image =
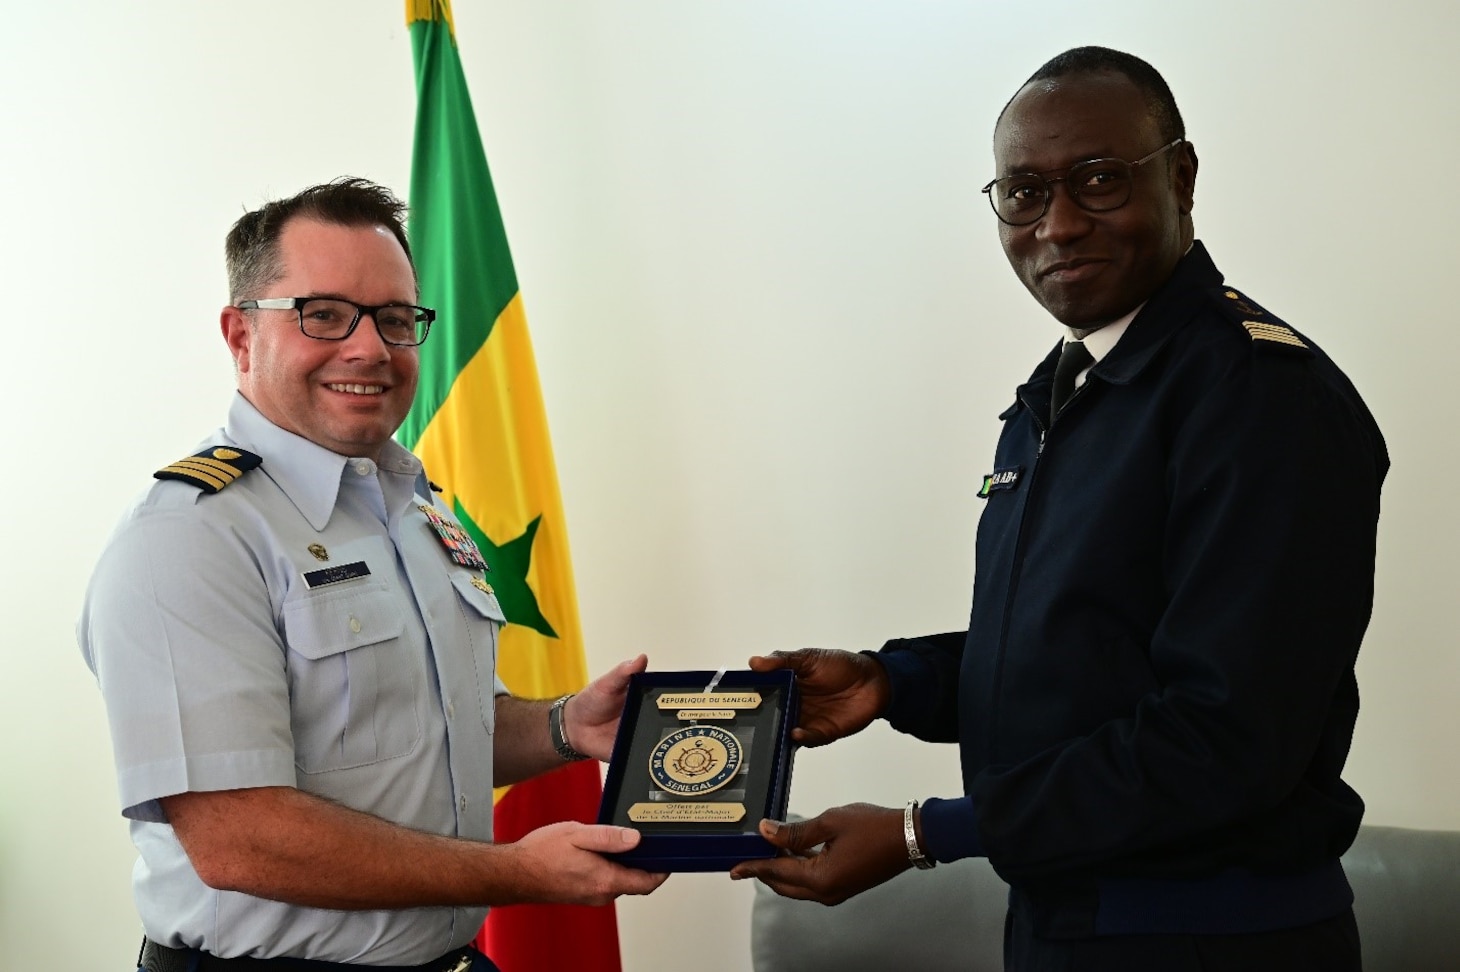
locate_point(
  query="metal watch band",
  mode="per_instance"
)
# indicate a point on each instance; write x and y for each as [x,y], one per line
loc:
[556,734]
[915,853]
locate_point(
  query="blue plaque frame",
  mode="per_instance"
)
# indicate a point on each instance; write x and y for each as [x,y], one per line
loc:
[675,846]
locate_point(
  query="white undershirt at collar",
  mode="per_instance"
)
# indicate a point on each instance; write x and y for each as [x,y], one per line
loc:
[1101,342]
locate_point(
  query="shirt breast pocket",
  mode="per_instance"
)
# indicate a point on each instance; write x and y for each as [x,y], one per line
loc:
[484,620]
[354,696]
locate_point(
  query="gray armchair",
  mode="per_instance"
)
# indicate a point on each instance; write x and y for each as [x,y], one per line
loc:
[1406,888]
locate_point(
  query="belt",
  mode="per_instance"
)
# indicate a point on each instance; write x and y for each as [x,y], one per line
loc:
[160,958]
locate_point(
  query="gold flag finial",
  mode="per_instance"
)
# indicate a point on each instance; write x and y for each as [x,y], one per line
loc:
[430,10]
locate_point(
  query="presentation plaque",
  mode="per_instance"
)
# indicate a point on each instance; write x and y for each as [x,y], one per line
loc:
[697,763]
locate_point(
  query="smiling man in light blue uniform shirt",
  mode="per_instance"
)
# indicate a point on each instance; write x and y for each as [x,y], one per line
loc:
[297,653]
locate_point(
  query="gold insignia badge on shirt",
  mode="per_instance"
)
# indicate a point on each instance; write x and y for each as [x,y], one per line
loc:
[317,549]
[480,583]
[211,469]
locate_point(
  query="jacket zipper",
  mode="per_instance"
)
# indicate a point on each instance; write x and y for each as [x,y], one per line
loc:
[1013,590]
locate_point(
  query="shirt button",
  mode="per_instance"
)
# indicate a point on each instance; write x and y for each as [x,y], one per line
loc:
[450,711]
[463,803]
[355,624]
[363,468]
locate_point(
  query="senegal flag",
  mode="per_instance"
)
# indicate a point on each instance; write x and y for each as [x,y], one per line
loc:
[478,425]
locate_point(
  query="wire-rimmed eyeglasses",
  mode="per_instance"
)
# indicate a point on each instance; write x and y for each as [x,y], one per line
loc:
[1096,185]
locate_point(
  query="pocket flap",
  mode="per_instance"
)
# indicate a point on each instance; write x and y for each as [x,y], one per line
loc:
[335,621]
[483,603]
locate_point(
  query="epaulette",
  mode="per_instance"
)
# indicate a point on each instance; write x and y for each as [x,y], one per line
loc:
[1262,327]
[211,469]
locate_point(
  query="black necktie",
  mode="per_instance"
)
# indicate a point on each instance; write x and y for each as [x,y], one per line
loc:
[1074,359]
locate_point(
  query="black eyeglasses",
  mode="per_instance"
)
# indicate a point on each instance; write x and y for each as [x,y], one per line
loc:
[1097,185]
[332,319]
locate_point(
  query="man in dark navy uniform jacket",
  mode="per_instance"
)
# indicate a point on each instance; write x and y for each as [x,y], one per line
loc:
[1155,695]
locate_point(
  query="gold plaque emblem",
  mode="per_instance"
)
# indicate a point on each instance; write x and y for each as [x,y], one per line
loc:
[695,760]
[319,552]
[480,583]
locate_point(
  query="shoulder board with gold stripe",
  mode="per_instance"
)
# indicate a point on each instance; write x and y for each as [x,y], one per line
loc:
[1264,329]
[211,469]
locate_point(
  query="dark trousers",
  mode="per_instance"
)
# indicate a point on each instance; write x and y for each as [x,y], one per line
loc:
[1331,945]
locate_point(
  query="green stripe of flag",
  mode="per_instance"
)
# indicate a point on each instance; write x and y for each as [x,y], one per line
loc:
[456,231]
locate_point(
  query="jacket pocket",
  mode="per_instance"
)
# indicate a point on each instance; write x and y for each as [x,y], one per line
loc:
[483,623]
[354,692]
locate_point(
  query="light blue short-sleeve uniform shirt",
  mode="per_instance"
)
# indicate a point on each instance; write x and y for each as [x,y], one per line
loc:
[223,666]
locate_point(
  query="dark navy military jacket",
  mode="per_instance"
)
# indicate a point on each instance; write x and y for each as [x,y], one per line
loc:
[1173,579]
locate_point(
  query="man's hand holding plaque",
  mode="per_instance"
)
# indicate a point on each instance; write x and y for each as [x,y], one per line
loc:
[845,850]
[841,692]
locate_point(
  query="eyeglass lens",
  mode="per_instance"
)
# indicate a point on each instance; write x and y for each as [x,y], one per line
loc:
[1098,185]
[331,320]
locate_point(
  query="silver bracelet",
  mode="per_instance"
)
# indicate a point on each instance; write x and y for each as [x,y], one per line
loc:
[557,735]
[915,853]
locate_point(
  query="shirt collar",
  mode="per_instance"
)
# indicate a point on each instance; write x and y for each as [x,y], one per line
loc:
[1102,341]
[308,473]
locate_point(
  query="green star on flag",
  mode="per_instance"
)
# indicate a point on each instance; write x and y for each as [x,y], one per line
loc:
[510,563]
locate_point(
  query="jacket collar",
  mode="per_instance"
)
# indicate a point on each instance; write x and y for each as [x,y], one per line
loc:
[1166,312]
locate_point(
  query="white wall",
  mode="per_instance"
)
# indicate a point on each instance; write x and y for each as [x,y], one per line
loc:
[772,318]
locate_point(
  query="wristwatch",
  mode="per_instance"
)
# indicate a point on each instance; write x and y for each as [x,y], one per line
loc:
[915,853]
[556,734]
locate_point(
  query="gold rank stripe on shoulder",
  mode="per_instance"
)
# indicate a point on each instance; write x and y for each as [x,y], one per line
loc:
[211,469]
[1260,325]
[1278,333]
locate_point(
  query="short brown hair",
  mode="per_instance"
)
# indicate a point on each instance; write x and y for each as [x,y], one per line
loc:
[251,250]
